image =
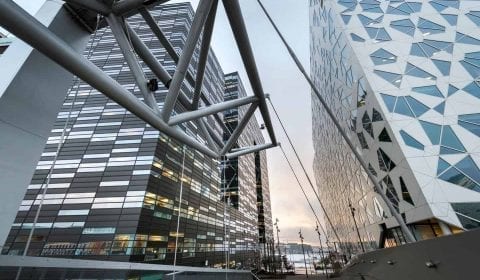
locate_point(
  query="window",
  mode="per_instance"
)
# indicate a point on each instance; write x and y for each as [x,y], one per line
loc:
[393,78]
[404,25]
[383,136]
[73,212]
[382,56]
[100,230]
[410,141]
[428,90]
[385,163]
[432,130]
[405,194]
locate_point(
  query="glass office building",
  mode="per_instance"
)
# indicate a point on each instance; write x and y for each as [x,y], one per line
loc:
[114,193]
[246,177]
[402,77]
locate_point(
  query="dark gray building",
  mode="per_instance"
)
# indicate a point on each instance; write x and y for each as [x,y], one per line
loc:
[114,190]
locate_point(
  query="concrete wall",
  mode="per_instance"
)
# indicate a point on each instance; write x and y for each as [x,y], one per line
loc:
[32,90]
[454,257]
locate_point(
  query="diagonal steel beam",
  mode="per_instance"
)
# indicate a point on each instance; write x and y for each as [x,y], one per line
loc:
[249,150]
[173,54]
[137,71]
[127,6]
[239,129]
[212,109]
[204,49]
[208,136]
[27,28]
[92,5]
[201,15]
[237,23]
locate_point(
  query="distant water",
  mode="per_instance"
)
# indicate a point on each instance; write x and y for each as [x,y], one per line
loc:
[299,262]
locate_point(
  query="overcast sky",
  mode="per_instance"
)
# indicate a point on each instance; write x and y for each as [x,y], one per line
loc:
[288,90]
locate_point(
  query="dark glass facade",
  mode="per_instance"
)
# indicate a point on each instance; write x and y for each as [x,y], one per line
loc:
[115,190]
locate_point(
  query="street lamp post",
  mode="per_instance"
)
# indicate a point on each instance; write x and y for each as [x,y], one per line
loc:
[303,251]
[278,246]
[352,210]
[321,251]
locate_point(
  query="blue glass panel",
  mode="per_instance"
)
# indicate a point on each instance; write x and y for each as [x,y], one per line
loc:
[410,141]
[383,35]
[473,88]
[451,90]
[418,51]
[429,27]
[393,78]
[348,3]
[473,55]
[469,168]
[442,166]
[465,39]
[441,5]
[450,139]
[447,151]
[454,176]
[382,56]
[413,70]
[433,131]
[346,18]
[473,128]
[389,101]
[472,118]
[403,22]
[440,45]
[469,209]
[357,38]
[367,21]
[440,108]
[418,107]
[428,90]
[474,16]
[471,69]
[452,19]
[372,8]
[403,108]
[443,66]
[407,30]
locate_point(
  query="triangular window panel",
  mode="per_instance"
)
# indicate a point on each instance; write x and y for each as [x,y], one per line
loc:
[428,90]
[385,163]
[456,177]
[371,7]
[433,131]
[450,139]
[368,21]
[415,71]
[346,18]
[404,8]
[393,78]
[410,141]
[418,108]
[429,27]
[468,167]
[442,166]
[383,136]
[382,56]
[379,34]
[452,19]
[440,108]
[441,5]
[356,38]
[389,101]
[472,63]
[473,89]
[391,192]
[443,66]
[376,116]
[474,16]
[402,107]
[470,122]
[405,193]
[465,39]
[451,90]
[404,25]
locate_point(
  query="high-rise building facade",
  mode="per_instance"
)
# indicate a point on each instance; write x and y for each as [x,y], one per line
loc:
[246,177]
[402,77]
[114,189]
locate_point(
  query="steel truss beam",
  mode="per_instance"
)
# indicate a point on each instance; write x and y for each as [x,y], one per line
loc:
[27,28]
